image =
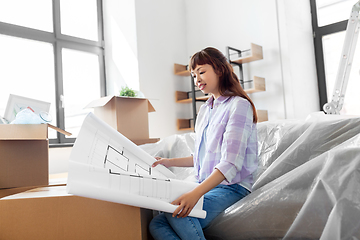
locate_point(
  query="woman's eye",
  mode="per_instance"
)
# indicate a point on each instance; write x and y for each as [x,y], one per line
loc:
[202,72]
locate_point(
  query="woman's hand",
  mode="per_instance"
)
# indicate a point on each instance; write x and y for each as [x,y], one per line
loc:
[186,203]
[163,161]
[188,200]
[174,162]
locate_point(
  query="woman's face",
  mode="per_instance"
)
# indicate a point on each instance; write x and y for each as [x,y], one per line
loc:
[206,79]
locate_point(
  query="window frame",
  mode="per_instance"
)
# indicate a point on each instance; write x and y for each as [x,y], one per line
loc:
[318,34]
[60,41]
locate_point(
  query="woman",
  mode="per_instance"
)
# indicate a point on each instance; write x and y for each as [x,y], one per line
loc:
[225,155]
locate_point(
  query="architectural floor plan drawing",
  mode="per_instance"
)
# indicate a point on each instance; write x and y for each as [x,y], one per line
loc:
[116,159]
[142,185]
[105,165]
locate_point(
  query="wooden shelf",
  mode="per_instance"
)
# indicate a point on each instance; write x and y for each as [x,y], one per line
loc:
[256,54]
[182,97]
[181,70]
[262,115]
[202,98]
[258,85]
[184,125]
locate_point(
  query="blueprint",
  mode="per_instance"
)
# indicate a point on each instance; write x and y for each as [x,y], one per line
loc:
[105,165]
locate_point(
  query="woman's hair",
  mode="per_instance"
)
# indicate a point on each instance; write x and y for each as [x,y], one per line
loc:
[229,84]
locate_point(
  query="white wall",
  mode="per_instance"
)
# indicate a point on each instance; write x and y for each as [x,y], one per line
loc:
[171,31]
[298,58]
[59,160]
[161,34]
[282,28]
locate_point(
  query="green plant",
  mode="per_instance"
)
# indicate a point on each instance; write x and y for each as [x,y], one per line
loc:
[128,92]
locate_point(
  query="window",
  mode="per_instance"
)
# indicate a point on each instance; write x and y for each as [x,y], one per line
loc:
[81,84]
[333,11]
[85,26]
[11,12]
[53,51]
[329,19]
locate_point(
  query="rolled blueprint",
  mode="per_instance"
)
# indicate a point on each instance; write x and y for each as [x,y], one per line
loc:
[107,166]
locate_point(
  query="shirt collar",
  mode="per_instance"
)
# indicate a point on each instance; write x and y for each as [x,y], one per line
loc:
[218,101]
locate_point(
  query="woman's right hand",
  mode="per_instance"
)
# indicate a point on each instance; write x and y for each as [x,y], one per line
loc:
[162,161]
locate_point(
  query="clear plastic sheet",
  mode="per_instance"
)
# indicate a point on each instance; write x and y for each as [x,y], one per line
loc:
[307,185]
[178,145]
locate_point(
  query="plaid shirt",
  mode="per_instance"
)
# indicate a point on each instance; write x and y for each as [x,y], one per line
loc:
[231,145]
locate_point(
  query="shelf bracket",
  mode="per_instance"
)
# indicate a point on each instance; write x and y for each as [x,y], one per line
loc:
[238,52]
[193,99]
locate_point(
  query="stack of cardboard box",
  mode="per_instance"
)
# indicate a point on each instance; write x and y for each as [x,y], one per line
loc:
[24,148]
[31,208]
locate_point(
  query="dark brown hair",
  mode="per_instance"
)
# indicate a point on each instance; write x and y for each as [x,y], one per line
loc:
[229,84]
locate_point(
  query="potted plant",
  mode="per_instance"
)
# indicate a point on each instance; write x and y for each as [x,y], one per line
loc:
[127,92]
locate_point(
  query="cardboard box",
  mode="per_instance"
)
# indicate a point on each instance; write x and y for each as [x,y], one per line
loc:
[4,192]
[128,115]
[51,213]
[54,180]
[24,155]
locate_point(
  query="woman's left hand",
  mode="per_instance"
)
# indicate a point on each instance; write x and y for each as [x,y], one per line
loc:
[186,203]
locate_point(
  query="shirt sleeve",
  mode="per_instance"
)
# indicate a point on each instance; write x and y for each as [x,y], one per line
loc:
[235,138]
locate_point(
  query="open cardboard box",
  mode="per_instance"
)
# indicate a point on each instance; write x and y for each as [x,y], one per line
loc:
[51,213]
[58,179]
[128,115]
[24,155]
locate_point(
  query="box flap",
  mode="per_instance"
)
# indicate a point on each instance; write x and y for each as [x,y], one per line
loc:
[23,131]
[151,108]
[100,102]
[59,130]
[27,131]
[105,100]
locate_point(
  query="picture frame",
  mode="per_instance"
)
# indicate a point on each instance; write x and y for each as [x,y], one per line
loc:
[17,103]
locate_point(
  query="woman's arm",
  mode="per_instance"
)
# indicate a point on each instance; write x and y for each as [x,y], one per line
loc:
[188,200]
[174,162]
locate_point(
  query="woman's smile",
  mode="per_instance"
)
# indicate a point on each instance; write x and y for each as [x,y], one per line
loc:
[201,86]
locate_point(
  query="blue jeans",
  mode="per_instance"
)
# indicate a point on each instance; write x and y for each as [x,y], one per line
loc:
[164,226]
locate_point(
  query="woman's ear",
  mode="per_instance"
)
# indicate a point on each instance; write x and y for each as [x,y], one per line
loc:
[219,71]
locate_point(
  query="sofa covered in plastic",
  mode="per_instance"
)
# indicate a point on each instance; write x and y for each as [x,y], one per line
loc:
[307,185]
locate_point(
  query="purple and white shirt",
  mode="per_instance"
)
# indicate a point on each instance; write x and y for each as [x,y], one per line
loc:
[231,141]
